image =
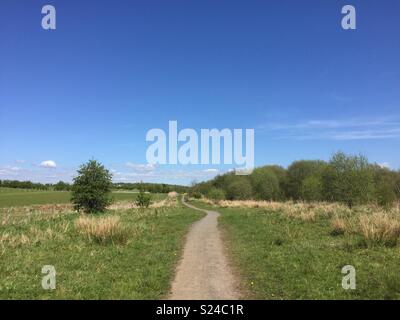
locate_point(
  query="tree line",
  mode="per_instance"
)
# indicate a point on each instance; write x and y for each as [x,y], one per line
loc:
[349,179]
[64,186]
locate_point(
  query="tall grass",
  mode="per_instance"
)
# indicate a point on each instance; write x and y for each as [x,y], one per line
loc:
[375,225]
[103,230]
[380,228]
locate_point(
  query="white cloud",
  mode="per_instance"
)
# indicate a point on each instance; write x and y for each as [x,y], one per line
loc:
[48,164]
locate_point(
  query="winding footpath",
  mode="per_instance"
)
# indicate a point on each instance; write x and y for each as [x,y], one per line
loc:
[203,272]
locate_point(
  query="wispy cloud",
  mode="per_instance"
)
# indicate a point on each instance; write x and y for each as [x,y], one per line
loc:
[335,129]
[141,167]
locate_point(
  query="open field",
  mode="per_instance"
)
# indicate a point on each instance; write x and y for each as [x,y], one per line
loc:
[122,254]
[10,197]
[284,251]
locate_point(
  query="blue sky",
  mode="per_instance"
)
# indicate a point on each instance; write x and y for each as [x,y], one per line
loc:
[112,70]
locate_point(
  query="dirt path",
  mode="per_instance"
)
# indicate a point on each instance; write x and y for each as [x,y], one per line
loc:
[203,272]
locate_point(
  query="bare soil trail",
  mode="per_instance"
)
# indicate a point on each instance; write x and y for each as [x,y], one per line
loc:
[203,272]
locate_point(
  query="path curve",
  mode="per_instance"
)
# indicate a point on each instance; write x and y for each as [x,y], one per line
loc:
[203,272]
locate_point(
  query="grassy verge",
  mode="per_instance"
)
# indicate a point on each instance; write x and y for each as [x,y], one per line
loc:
[123,254]
[299,255]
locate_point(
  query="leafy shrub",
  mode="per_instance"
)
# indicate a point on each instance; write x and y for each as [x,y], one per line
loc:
[385,186]
[216,194]
[297,172]
[312,188]
[265,184]
[196,195]
[143,199]
[239,189]
[348,179]
[91,189]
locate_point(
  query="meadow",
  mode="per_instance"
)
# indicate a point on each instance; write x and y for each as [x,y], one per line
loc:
[297,250]
[124,253]
[10,197]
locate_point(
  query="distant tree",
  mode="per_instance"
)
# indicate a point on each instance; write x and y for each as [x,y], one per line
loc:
[239,189]
[196,195]
[281,174]
[265,184]
[386,184]
[61,186]
[91,190]
[312,188]
[348,179]
[216,194]
[297,172]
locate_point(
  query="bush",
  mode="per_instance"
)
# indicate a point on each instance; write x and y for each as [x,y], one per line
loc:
[239,189]
[92,188]
[265,184]
[143,199]
[312,188]
[281,174]
[348,179]
[385,186]
[298,171]
[196,195]
[216,194]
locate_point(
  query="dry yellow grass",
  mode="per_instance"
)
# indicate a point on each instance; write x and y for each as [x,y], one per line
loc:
[102,230]
[33,236]
[339,225]
[126,205]
[375,225]
[380,227]
[28,214]
[300,210]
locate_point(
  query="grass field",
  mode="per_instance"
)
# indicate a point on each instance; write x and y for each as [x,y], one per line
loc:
[281,257]
[10,197]
[136,260]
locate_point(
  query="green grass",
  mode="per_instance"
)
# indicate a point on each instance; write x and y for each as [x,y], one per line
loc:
[285,258]
[142,268]
[10,197]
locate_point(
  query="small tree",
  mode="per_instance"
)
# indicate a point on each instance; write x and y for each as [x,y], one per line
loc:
[92,188]
[348,179]
[265,184]
[143,199]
